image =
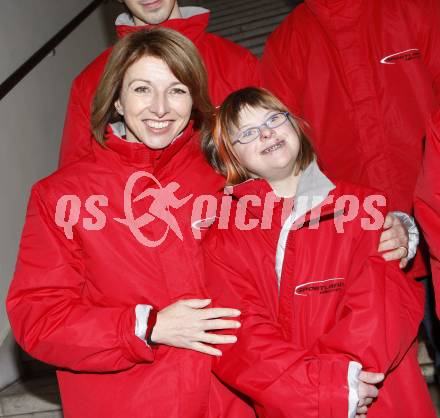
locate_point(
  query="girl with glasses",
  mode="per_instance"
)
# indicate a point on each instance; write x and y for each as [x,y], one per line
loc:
[298,256]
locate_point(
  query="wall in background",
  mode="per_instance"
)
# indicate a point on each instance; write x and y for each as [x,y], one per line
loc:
[27,24]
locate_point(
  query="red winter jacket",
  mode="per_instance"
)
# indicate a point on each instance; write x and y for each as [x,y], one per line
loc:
[229,67]
[427,199]
[72,301]
[365,74]
[338,301]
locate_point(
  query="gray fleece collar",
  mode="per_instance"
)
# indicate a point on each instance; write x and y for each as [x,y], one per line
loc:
[118,129]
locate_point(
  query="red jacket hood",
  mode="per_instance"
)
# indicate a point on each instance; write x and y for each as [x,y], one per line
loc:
[193,25]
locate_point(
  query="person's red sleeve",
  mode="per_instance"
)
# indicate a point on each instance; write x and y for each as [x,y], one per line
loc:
[427,200]
[48,316]
[375,325]
[77,136]
[427,27]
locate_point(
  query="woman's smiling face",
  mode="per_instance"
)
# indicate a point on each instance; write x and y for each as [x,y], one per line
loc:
[273,154]
[155,105]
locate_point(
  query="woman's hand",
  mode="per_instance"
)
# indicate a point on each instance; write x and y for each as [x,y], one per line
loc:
[184,324]
[394,240]
[367,391]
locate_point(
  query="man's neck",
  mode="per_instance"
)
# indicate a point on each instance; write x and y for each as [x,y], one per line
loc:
[175,14]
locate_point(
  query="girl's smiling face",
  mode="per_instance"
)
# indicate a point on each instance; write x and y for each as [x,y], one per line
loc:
[273,154]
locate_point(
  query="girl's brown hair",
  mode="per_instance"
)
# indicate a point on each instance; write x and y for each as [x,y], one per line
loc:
[178,52]
[217,144]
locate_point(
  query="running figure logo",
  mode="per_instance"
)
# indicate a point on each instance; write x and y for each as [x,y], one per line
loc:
[163,199]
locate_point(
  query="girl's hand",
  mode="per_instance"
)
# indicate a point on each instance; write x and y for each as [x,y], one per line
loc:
[367,391]
[184,324]
[394,240]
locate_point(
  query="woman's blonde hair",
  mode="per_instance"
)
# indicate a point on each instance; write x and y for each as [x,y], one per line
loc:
[217,144]
[182,58]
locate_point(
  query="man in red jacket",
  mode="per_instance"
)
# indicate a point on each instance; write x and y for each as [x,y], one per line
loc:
[365,74]
[229,66]
[427,199]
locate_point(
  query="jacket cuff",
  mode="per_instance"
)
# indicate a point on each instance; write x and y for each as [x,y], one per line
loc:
[146,317]
[334,389]
[152,318]
[354,368]
[142,313]
[133,328]
[413,232]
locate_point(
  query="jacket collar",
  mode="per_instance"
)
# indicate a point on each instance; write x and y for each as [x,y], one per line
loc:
[313,189]
[138,154]
[328,10]
[193,23]
[255,187]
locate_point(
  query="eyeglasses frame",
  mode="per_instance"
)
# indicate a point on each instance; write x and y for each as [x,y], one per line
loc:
[286,114]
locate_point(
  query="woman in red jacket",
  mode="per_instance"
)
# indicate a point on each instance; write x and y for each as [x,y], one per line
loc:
[318,301]
[108,244]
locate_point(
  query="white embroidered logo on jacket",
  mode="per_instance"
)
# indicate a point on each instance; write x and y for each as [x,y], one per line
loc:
[407,55]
